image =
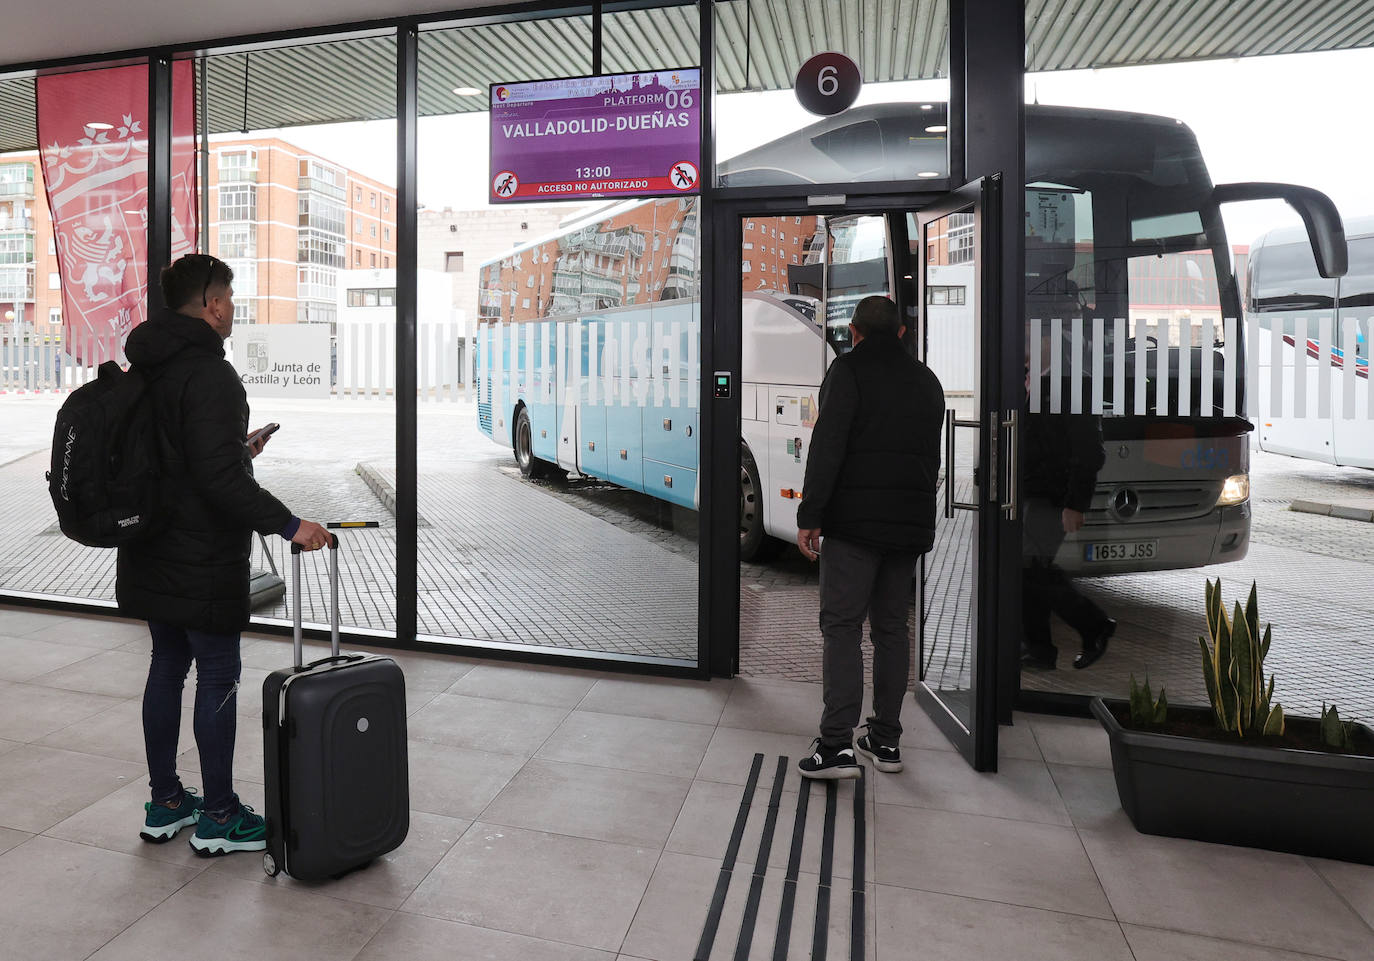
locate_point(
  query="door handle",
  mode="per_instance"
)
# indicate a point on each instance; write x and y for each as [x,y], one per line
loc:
[950,424]
[1013,467]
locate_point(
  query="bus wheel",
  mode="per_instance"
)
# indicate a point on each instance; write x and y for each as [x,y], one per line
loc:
[754,542]
[530,466]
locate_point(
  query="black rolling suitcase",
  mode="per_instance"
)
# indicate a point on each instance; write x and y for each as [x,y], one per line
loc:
[334,749]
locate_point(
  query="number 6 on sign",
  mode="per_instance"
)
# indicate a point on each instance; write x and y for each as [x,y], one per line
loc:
[828,83]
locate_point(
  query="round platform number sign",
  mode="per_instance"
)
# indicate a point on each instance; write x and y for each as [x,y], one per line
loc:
[828,83]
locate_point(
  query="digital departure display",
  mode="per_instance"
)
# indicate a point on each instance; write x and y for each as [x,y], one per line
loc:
[614,135]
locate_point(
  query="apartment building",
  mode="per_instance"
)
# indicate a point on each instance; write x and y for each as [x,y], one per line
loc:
[458,242]
[30,288]
[288,222]
[285,220]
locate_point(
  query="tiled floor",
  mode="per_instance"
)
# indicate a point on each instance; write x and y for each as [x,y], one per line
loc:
[573,816]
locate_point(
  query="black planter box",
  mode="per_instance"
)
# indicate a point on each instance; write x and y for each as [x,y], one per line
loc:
[1304,802]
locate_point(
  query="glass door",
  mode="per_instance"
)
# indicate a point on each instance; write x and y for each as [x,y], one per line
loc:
[952,247]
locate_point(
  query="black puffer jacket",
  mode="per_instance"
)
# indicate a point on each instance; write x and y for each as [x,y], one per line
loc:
[872,471]
[195,573]
[1062,455]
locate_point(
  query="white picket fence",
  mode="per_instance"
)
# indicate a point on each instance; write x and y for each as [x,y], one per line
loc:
[362,363]
[1175,373]
[1188,367]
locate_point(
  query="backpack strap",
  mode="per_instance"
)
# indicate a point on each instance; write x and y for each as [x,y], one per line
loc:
[150,376]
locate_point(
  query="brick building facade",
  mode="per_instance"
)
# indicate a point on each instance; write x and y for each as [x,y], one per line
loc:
[285,220]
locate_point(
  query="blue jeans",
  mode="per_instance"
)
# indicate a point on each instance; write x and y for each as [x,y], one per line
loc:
[217,684]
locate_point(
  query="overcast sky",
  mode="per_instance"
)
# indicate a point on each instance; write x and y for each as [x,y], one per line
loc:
[1296,119]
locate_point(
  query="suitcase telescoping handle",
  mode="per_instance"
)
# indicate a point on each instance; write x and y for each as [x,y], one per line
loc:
[333,599]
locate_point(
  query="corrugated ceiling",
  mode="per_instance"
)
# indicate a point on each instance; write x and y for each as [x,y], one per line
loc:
[891,39]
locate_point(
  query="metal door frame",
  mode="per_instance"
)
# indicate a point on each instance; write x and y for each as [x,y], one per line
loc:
[996,475]
[722,339]
[720,575]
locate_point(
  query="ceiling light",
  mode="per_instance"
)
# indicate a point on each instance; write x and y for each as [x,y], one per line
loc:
[937,128]
[467,91]
[927,106]
[928,173]
[98,125]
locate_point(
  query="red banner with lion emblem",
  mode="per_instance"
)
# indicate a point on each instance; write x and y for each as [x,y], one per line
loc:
[93,135]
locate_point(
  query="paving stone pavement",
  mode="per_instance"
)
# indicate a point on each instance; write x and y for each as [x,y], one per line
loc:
[585,565]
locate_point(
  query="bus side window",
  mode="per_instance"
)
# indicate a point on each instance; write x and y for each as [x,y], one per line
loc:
[1357,286]
[1284,277]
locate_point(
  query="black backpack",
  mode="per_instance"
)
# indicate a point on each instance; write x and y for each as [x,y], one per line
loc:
[104,479]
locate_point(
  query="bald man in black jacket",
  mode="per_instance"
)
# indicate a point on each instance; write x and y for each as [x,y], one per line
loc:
[871,478]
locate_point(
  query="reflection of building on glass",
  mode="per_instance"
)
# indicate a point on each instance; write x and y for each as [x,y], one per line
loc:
[771,247]
[1179,286]
[638,252]
[951,240]
[597,268]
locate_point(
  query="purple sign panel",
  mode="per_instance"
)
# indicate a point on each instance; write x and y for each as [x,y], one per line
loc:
[617,135]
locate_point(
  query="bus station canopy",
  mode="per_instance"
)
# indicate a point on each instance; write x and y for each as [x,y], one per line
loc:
[326,82]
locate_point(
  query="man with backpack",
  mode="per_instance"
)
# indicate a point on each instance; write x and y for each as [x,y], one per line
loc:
[189,576]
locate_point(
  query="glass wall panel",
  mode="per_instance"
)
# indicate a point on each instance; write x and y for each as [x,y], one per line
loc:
[895,129]
[73,282]
[1194,386]
[559,371]
[300,195]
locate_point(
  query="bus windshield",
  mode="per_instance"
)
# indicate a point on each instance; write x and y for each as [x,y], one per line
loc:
[1071,274]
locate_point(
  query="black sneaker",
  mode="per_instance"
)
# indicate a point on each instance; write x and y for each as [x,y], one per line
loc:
[887,759]
[830,763]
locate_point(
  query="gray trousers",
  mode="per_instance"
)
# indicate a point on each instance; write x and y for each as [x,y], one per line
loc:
[859,583]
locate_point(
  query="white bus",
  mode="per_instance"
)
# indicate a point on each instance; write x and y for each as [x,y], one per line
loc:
[586,343]
[1311,393]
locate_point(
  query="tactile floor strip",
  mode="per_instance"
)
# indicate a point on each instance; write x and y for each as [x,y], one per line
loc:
[766,924]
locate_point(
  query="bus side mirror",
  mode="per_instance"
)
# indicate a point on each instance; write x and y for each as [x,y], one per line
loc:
[1319,215]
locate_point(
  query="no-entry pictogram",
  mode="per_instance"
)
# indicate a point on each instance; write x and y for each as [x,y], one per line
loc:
[684,175]
[505,184]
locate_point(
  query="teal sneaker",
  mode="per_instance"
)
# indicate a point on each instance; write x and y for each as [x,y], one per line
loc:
[161,823]
[244,831]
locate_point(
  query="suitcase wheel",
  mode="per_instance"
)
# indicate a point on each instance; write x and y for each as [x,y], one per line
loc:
[269,865]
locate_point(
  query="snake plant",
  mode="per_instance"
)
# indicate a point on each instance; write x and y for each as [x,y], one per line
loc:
[1335,732]
[1145,710]
[1233,667]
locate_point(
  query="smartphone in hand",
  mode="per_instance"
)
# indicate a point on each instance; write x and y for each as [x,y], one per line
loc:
[261,433]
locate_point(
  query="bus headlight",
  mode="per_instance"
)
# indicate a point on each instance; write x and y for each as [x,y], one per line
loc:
[1236,490]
